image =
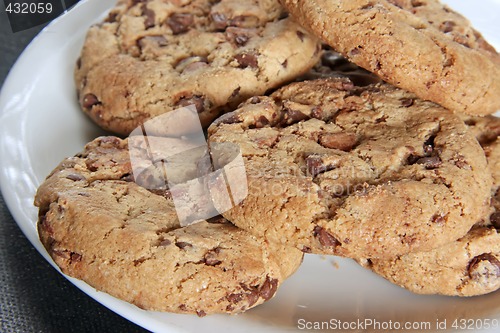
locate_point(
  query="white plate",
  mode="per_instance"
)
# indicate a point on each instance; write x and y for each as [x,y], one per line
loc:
[40,124]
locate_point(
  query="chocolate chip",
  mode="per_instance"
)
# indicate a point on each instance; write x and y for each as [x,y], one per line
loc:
[180,22]
[473,268]
[62,254]
[191,64]
[212,262]
[111,18]
[201,313]
[135,2]
[210,259]
[183,245]
[91,166]
[495,220]
[252,297]
[149,21]
[75,257]
[165,242]
[407,102]
[89,100]
[447,26]
[219,20]
[301,35]
[156,40]
[261,122]
[139,261]
[438,218]
[355,51]
[342,141]
[317,113]
[238,36]
[470,122]
[316,166]
[247,60]
[109,141]
[325,238]
[75,177]
[70,164]
[196,100]
[432,162]
[254,100]
[348,86]
[228,118]
[269,288]
[79,63]
[461,162]
[234,298]
[291,117]
[306,249]
[431,159]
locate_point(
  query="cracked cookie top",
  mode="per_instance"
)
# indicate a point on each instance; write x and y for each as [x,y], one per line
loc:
[99,226]
[368,171]
[420,45]
[469,266]
[149,57]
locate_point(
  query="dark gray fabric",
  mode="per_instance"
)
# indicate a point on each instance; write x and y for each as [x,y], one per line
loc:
[33,296]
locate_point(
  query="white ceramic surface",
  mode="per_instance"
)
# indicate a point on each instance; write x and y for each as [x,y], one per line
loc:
[40,124]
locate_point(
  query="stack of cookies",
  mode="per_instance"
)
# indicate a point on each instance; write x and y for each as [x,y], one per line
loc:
[365,129]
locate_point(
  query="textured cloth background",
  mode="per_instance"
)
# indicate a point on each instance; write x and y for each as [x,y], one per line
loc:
[33,296]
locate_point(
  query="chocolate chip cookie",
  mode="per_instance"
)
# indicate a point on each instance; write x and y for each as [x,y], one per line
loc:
[469,266]
[334,168]
[150,57]
[99,226]
[422,46]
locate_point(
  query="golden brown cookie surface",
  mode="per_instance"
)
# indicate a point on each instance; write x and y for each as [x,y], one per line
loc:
[339,169]
[422,46]
[150,57]
[101,227]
